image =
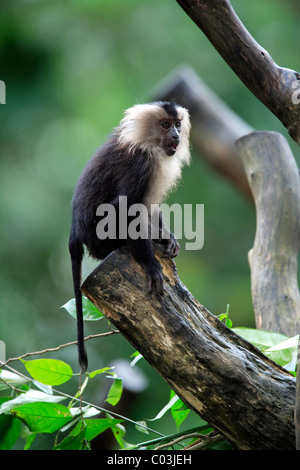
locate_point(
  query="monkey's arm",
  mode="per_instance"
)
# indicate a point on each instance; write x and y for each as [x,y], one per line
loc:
[164,235]
[173,246]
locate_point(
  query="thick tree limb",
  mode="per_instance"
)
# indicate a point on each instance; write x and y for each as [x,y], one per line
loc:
[274,178]
[215,127]
[222,377]
[274,86]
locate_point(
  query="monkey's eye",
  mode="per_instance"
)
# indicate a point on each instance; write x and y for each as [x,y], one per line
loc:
[178,124]
[166,124]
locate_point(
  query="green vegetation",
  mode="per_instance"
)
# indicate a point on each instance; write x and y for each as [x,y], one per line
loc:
[70,69]
[34,407]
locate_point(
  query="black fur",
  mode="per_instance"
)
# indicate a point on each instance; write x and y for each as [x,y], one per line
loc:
[112,172]
[171,109]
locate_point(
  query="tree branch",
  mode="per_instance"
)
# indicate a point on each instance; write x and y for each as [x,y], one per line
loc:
[274,86]
[219,375]
[274,178]
[57,348]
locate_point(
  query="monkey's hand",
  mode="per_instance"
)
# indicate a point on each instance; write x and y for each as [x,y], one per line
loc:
[172,246]
[155,278]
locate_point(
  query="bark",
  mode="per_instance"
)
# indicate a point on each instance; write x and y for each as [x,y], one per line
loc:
[276,87]
[219,375]
[274,178]
[215,127]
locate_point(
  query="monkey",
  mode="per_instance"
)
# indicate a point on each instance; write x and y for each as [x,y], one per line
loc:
[142,160]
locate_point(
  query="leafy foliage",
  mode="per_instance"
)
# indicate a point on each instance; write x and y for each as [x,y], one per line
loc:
[34,408]
[49,371]
[280,348]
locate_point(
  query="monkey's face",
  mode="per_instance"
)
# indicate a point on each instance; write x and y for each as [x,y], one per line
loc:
[170,135]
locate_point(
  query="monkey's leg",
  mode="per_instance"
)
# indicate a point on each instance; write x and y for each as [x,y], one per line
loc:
[142,250]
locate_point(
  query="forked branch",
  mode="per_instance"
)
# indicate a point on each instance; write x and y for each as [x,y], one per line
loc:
[276,87]
[219,375]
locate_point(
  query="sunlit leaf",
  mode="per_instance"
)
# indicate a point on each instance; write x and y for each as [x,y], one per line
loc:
[137,357]
[278,347]
[115,392]
[99,371]
[225,317]
[90,312]
[167,407]
[49,371]
[285,353]
[262,339]
[179,412]
[43,417]
[31,396]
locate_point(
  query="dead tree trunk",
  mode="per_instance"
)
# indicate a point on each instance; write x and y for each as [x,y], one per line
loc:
[274,178]
[219,375]
[276,87]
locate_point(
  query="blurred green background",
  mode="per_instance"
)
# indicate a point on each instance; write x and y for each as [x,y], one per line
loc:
[71,68]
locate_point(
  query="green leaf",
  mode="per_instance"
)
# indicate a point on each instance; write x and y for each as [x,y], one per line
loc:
[225,316]
[43,417]
[179,412]
[262,339]
[167,407]
[285,353]
[99,371]
[137,357]
[96,426]
[76,440]
[49,371]
[278,347]
[31,396]
[119,433]
[90,312]
[29,437]
[115,392]
[9,429]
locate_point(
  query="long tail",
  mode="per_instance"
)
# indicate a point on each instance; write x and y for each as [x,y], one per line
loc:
[76,253]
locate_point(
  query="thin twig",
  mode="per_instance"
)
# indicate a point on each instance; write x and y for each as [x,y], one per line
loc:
[176,441]
[203,443]
[99,335]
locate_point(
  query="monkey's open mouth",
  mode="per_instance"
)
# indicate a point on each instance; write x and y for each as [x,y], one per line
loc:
[171,149]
